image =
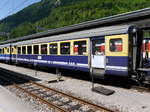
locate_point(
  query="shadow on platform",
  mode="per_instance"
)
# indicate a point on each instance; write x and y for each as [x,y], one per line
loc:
[8,75]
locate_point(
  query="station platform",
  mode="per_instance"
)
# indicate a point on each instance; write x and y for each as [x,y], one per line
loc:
[10,103]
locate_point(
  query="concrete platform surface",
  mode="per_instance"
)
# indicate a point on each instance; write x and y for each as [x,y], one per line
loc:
[10,103]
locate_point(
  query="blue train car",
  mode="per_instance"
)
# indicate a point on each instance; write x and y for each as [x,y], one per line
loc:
[5,52]
[101,51]
[114,51]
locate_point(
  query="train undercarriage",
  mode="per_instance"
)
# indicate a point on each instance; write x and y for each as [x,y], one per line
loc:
[142,77]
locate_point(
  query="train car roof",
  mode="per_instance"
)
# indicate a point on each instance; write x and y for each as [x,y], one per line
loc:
[106,21]
[79,35]
[5,45]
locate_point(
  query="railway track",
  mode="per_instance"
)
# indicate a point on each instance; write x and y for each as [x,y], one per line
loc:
[57,100]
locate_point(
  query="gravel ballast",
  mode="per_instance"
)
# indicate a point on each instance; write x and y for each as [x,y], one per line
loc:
[36,105]
[124,100]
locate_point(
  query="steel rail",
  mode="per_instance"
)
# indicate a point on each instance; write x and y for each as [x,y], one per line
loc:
[92,105]
[74,98]
[51,105]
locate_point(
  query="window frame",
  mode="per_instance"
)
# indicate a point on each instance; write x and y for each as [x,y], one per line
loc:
[69,47]
[56,48]
[94,47]
[20,49]
[25,53]
[31,49]
[86,48]
[38,49]
[125,45]
[46,49]
[115,45]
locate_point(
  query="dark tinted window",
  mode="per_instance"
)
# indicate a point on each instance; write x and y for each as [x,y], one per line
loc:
[1,51]
[65,48]
[19,50]
[29,49]
[53,48]
[36,49]
[24,50]
[44,49]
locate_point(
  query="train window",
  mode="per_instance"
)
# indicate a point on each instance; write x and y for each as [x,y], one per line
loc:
[12,50]
[44,49]
[29,49]
[1,52]
[80,48]
[65,48]
[19,50]
[115,45]
[36,49]
[7,50]
[24,50]
[53,48]
[98,47]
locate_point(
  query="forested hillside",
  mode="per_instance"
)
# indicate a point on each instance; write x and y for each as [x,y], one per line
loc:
[49,14]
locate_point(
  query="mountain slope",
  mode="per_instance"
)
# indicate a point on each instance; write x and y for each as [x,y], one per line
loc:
[58,13]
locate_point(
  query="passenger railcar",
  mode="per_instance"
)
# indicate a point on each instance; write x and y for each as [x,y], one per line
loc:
[5,52]
[114,50]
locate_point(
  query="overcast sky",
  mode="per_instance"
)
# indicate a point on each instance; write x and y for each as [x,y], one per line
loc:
[9,7]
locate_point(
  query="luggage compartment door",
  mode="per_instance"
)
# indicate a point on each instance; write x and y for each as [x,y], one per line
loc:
[98,53]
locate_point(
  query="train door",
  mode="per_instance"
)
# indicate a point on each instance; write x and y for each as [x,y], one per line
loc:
[117,55]
[10,52]
[16,54]
[98,56]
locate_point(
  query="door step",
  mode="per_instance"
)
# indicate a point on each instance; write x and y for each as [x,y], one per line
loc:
[103,90]
[97,72]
